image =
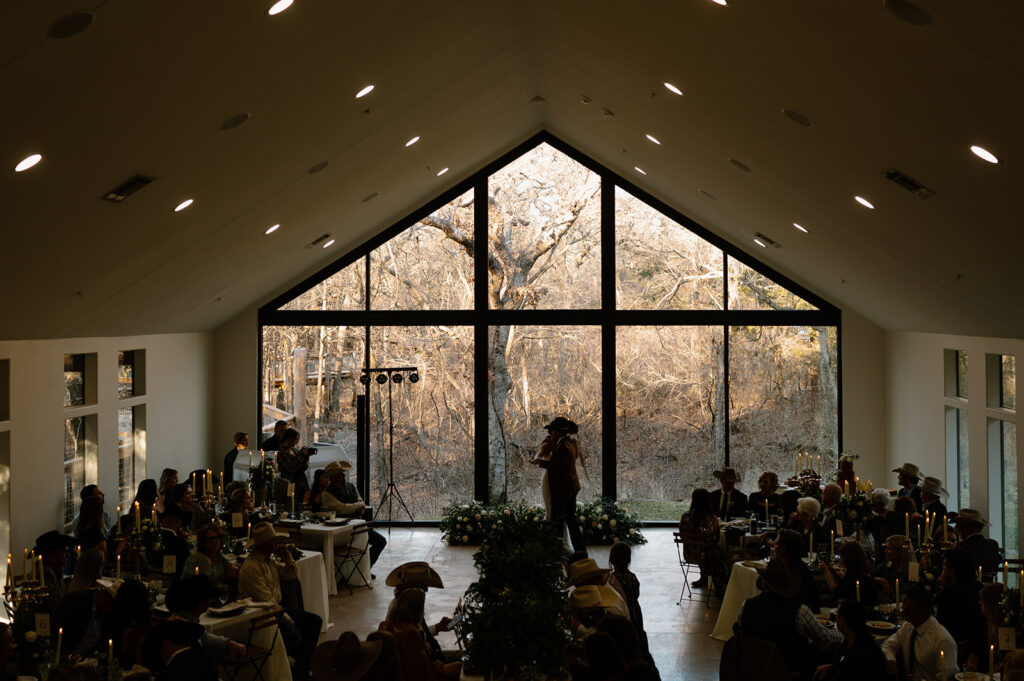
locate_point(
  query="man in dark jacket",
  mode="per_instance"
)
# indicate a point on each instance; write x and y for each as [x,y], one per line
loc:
[558,455]
[984,552]
[728,502]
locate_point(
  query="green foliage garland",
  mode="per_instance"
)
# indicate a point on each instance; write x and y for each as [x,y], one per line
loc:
[515,616]
[602,522]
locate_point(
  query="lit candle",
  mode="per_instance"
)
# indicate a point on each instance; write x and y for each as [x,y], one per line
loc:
[118,521]
[945,530]
[138,517]
[858,590]
[897,590]
[78,551]
[110,653]
[979,573]
[250,458]
[10,580]
[991,659]
[766,510]
[220,489]
[262,458]
[832,543]
[195,490]
[208,481]
[197,570]
[846,489]
[153,516]
[942,663]
[24,567]
[1006,575]
[919,536]
[119,566]
[60,640]
[906,517]
[42,581]
[291,495]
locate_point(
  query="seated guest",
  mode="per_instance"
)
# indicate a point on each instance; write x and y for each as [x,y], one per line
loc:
[187,600]
[896,520]
[908,479]
[174,652]
[586,572]
[343,498]
[174,545]
[88,569]
[589,604]
[728,502]
[767,491]
[619,558]
[879,509]
[314,497]
[238,513]
[956,606]
[896,563]
[984,552]
[260,578]
[603,660]
[241,441]
[932,494]
[706,554]
[349,659]
[790,548]
[986,632]
[627,639]
[403,623]
[830,497]
[168,480]
[131,621]
[860,658]
[913,651]
[858,574]
[208,560]
[92,491]
[90,530]
[419,575]
[788,501]
[53,546]
[805,521]
[777,616]
[7,645]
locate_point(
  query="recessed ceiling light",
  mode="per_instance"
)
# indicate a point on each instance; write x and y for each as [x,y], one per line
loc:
[28,162]
[760,243]
[985,154]
[864,202]
[723,3]
[653,139]
[329,244]
[183,205]
[672,88]
[708,194]
[740,164]
[413,141]
[271,229]
[442,171]
[800,227]
[797,118]
[365,91]
[279,6]
[639,170]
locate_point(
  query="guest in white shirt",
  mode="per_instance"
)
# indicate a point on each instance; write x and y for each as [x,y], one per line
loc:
[922,647]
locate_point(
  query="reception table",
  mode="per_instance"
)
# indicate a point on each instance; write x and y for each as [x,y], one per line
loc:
[742,585]
[236,628]
[313,578]
[327,537]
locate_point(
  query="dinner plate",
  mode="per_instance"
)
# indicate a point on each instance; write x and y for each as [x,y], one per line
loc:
[971,676]
[880,625]
[229,610]
[828,624]
[885,607]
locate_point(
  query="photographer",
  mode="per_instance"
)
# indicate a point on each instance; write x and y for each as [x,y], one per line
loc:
[293,462]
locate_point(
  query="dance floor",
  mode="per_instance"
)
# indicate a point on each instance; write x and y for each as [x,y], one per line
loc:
[680,635]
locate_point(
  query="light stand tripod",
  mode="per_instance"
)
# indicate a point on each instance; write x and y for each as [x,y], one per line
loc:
[390,375]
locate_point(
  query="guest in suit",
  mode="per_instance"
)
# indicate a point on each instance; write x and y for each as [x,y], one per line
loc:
[909,479]
[932,494]
[957,606]
[790,549]
[880,509]
[273,443]
[830,497]
[915,647]
[767,490]
[984,552]
[560,452]
[241,442]
[728,502]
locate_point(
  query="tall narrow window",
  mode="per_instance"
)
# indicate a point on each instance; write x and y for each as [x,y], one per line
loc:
[125,455]
[77,446]
[74,380]
[958,460]
[1004,485]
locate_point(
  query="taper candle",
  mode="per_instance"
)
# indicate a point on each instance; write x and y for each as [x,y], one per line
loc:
[10,579]
[42,581]
[119,566]
[991,659]
[832,543]
[766,510]
[897,591]
[138,517]
[60,640]
[1006,575]
[810,543]
[858,590]
[945,529]
[979,573]
[906,517]
[110,653]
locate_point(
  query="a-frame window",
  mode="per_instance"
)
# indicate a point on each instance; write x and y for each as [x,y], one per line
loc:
[546,285]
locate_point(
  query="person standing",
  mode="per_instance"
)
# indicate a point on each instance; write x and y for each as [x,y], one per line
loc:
[241,442]
[273,443]
[563,481]
[292,463]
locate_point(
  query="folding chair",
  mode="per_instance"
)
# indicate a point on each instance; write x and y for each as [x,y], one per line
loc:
[682,540]
[256,656]
[351,555]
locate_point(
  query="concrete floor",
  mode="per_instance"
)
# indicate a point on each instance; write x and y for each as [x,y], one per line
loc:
[679,635]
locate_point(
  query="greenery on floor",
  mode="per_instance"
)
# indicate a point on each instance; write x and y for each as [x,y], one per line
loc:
[602,521]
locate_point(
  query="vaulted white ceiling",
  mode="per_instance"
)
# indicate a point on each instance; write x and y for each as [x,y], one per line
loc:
[147,86]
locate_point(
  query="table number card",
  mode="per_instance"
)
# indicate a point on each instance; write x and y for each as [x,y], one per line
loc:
[291,489]
[914,572]
[42,624]
[236,520]
[839,528]
[170,565]
[1007,638]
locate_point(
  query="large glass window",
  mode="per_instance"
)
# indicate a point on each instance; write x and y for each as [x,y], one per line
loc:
[76,446]
[958,457]
[670,423]
[125,455]
[74,380]
[1006,434]
[662,391]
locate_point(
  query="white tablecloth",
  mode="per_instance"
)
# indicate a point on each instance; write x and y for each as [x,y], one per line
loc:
[313,578]
[742,585]
[328,537]
[237,629]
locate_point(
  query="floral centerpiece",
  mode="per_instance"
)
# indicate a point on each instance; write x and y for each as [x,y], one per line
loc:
[261,481]
[852,511]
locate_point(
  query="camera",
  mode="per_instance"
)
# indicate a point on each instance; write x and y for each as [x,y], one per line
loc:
[311,451]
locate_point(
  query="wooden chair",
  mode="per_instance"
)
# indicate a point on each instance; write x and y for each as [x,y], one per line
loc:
[745,658]
[256,656]
[683,539]
[351,555]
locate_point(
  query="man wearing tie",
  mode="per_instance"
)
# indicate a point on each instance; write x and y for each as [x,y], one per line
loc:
[728,502]
[922,647]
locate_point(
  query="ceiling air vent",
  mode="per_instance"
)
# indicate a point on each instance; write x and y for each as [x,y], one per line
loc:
[319,240]
[908,183]
[127,188]
[767,240]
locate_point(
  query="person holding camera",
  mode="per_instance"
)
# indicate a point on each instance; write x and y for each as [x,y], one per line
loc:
[292,462]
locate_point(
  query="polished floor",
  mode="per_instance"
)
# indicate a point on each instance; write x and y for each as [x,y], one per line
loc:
[679,635]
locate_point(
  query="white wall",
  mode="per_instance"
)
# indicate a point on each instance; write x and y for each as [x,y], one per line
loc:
[916,408]
[235,382]
[177,400]
[864,398]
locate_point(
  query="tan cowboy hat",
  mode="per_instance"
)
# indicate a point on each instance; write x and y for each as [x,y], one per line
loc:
[416,574]
[585,570]
[727,474]
[780,580]
[264,532]
[587,597]
[933,486]
[346,659]
[910,469]
[336,468]
[969,515]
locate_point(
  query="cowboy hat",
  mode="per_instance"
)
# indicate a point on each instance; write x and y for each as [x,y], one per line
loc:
[52,541]
[265,532]
[781,580]
[909,469]
[562,423]
[416,574]
[337,468]
[584,570]
[346,659]
[594,596]
[933,486]
[969,515]
[727,474]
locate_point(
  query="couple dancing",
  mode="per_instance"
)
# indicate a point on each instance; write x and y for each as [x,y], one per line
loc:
[561,484]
